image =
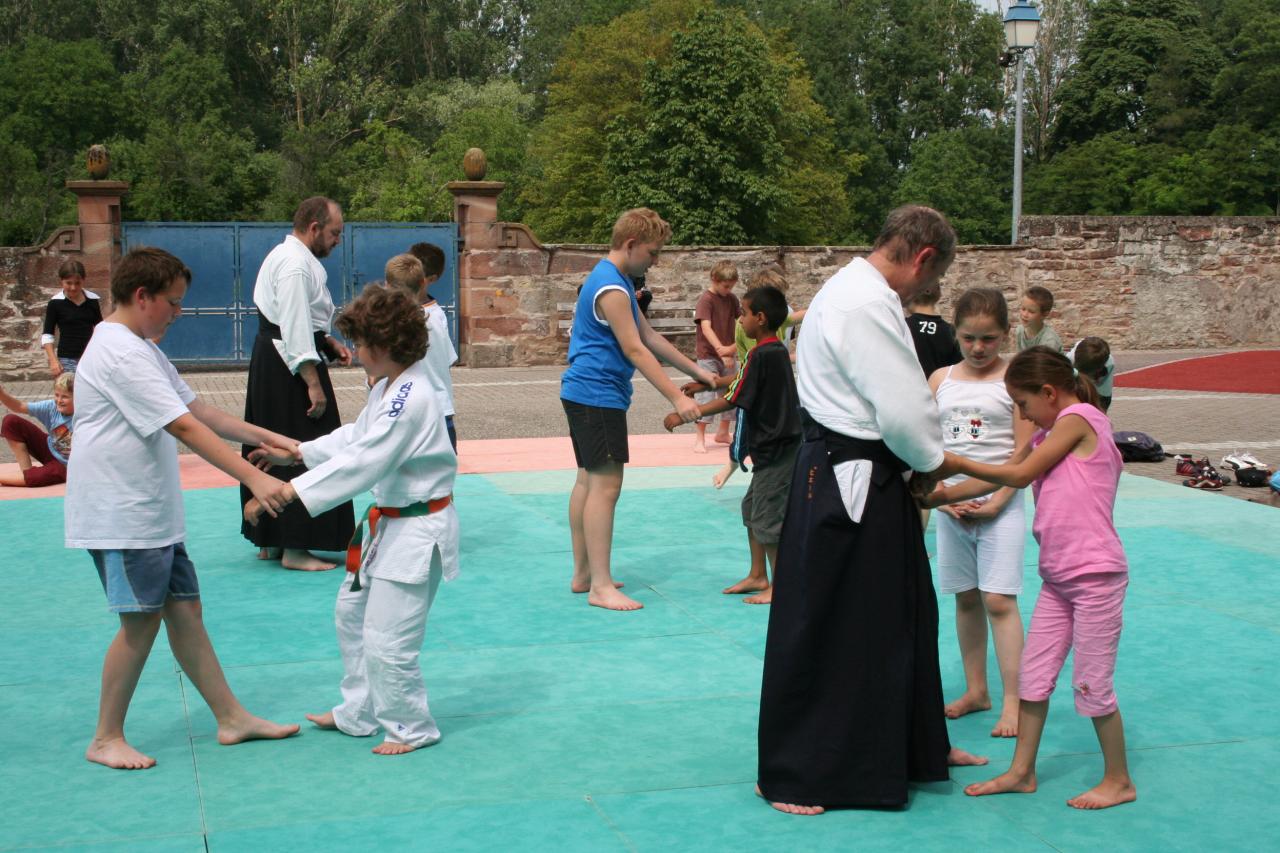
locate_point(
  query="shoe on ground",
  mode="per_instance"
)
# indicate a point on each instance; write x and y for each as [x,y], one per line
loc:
[1187,466]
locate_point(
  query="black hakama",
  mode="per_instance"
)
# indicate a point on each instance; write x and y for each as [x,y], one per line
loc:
[277,400]
[851,705]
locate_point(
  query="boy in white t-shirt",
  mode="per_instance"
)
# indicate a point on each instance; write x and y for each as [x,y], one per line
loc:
[409,271]
[124,499]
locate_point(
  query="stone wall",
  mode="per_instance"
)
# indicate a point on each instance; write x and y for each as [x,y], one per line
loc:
[1139,282]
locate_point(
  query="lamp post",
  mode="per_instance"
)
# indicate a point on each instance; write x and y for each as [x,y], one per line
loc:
[1021,25]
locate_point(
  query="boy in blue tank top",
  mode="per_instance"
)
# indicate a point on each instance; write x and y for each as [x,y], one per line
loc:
[610,339]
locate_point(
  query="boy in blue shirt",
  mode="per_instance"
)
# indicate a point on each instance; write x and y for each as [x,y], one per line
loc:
[609,341]
[50,447]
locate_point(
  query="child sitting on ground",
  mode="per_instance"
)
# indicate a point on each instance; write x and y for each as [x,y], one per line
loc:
[1092,357]
[772,277]
[714,315]
[1037,305]
[442,354]
[980,541]
[934,337]
[124,499]
[406,272]
[398,447]
[30,444]
[766,392]
[1074,469]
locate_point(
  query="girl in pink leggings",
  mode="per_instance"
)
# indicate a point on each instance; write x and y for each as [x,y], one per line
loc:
[1074,469]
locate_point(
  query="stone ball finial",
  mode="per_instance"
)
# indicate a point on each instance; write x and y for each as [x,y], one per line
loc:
[98,161]
[474,164]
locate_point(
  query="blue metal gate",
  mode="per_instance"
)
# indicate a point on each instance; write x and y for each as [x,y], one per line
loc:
[219,320]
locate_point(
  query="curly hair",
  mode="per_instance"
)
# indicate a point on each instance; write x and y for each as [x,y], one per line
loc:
[386,317]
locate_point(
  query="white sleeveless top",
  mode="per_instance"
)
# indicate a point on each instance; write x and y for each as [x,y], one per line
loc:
[977,420]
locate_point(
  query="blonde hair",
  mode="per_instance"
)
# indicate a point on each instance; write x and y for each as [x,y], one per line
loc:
[724,271]
[405,272]
[642,225]
[770,276]
[65,382]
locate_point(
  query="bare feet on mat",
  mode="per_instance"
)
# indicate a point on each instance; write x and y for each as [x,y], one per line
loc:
[1008,782]
[579,586]
[765,597]
[270,553]
[322,721]
[117,753]
[957,757]
[248,727]
[790,808]
[1108,793]
[611,599]
[304,561]
[1007,725]
[389,748]
[699,446]
[967,704]
[747,584]
[724,439]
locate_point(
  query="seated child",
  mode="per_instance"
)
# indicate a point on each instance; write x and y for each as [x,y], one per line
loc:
[1092,356]
[934,337]
[406,272]
[399,448]
[771,276]
[766,392]
[442,354]
[1037,305]
[30,444]
[124,499]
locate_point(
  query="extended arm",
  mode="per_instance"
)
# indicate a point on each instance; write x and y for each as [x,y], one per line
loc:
[12,403]
[190,431]
[1066,434]
[665,350]
[615,307]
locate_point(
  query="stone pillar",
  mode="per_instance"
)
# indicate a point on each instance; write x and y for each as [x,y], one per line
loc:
[98,206]
[475,209]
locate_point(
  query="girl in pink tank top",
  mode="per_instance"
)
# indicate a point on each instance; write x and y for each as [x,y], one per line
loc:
[1074,469]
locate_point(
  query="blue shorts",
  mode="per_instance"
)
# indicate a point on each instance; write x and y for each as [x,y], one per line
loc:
[140,580]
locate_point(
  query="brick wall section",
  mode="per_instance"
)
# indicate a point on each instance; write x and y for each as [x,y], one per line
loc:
[1139,282]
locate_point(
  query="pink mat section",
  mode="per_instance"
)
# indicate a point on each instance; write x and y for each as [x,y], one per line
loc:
[491,456]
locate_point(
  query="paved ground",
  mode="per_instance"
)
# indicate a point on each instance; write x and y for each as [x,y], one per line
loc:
[496,403]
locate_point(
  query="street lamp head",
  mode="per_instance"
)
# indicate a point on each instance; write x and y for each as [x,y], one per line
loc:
[1021,25]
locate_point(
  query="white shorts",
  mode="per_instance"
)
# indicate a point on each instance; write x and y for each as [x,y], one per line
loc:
[985,555]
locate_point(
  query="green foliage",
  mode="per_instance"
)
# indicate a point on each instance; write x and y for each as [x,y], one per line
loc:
[967,174]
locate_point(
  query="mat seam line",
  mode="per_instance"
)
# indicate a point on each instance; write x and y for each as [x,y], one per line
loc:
[195,765]
[609,822]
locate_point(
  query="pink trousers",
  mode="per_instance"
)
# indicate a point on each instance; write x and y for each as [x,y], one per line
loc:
[1084,614]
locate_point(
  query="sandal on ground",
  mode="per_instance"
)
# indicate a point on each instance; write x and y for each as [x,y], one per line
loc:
[1188,466]
[1212,484]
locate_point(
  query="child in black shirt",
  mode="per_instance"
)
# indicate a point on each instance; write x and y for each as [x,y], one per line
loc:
[72,314]
[765,391]
[934,337]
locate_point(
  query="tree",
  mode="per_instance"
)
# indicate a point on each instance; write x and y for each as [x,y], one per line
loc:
[1063,24]
[1095,177]
[964,173]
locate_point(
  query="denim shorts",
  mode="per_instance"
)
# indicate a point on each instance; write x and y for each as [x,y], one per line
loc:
[140,580]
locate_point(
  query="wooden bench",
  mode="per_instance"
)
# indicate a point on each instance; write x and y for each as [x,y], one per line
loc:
[670,319]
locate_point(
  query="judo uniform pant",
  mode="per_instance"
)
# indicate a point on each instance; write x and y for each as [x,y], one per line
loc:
[380,631]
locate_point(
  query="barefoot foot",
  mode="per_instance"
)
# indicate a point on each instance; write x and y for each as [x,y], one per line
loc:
[1006,726]
[304,561]
[721,477]
[389,748]
[322,721]
[248,727]
[699,447]
[748,584]
[790,808]
[117,753]
[611,599]
[578,586]
[1106,794]
[957,757]
[1008,782]
[967,704]
[765,597]
[270,553]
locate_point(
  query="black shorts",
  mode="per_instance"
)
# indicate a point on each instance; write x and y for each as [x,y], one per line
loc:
[599,435]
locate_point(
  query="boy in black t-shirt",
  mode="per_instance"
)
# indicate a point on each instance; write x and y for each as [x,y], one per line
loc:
[765,391]
[934,337]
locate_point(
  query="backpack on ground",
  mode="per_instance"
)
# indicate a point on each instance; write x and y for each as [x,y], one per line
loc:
[1138,447]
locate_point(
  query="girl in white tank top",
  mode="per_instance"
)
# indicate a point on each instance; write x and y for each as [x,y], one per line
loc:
[981,539]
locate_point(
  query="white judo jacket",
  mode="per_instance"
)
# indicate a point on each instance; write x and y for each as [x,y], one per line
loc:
[399,448]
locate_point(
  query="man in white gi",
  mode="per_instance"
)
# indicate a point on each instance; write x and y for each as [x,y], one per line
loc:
[851,706]
[289,390]
[399,448]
